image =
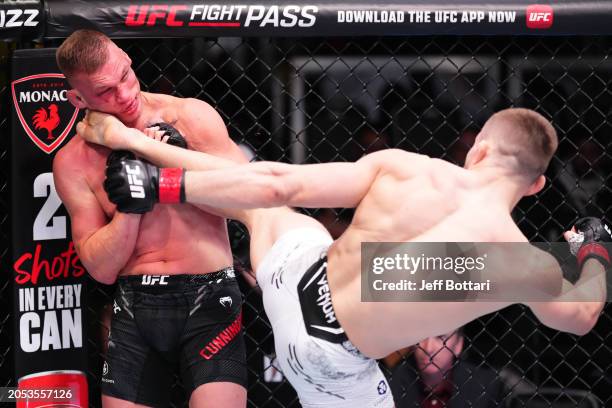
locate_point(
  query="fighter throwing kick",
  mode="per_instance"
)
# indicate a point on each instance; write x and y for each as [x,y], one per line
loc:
[398,196]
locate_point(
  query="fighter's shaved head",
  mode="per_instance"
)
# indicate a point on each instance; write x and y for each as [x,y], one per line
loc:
[83,51]
[524,137]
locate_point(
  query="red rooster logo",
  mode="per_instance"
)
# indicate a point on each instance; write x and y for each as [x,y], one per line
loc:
[49,122]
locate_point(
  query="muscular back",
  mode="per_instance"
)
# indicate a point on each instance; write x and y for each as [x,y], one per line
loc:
[402,204]
[405,201]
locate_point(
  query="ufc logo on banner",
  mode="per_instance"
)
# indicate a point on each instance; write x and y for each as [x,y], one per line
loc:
[136,188]
[154,280]
[539,16]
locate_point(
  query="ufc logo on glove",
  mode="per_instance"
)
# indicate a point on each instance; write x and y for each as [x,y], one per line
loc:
[136,186]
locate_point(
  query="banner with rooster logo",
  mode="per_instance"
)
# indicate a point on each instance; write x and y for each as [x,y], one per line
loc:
[49,280]
[43,109]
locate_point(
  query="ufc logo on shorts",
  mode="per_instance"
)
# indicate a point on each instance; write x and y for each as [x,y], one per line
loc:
[154,280]
[539,16]
[136,188]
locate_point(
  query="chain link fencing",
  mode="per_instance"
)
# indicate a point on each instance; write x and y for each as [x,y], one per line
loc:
[6,305]
[319,100]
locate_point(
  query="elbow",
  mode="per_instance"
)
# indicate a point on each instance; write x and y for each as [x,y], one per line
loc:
[105,278]
[277,195]
[583,329]
[276,190]
[96,271]
[588,318]
[100,275]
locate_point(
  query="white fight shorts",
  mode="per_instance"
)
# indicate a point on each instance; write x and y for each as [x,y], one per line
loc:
[312,350]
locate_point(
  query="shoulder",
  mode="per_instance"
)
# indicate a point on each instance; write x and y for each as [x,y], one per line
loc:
[507,230]
[183,109]
[200,118]
[397,162]
[205,130]
[493,225]
[195,108]
[80,158]
[394,155]
[395,158]
[70,156]
[71,166]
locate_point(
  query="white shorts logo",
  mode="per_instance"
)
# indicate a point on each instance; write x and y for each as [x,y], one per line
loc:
[154,279]
[105,368]
[116,307]
[226,301]
[382,387]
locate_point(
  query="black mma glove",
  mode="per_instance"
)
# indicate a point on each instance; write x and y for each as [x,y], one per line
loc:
[174,136]
[594,232]
[135,186]
[117,155]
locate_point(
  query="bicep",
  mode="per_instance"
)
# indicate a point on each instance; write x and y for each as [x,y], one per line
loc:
[86,213]
[86,218]
[345,184]
[327,184]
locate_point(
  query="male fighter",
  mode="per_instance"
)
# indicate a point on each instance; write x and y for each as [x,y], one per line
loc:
[399,196]
[177,290]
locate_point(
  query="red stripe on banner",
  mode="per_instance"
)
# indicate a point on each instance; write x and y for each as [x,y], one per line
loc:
[195,24]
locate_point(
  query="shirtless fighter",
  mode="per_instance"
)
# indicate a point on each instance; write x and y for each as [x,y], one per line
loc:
[176,288]
[399,196]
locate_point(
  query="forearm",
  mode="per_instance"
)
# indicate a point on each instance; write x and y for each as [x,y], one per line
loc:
[589,294]
[227,184]
[578,308]
[590,287]
[105,252]
[255,185]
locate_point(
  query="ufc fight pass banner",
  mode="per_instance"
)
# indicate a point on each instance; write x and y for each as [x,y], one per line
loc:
[49,280]
[194,18]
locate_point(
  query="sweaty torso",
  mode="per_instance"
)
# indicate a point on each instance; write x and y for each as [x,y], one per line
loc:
[172,239]
[399,207]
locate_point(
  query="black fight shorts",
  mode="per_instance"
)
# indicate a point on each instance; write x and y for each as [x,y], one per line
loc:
[162,325]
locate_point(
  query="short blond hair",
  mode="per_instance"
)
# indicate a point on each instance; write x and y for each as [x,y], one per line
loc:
[526,136]
[83,51]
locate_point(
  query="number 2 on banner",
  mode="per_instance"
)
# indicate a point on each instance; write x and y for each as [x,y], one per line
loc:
[46,226]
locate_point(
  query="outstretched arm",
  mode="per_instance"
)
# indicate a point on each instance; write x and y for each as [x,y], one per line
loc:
[219,183]
[271,184]
[223,184]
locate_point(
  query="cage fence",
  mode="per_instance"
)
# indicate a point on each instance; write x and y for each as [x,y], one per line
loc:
[336,99]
